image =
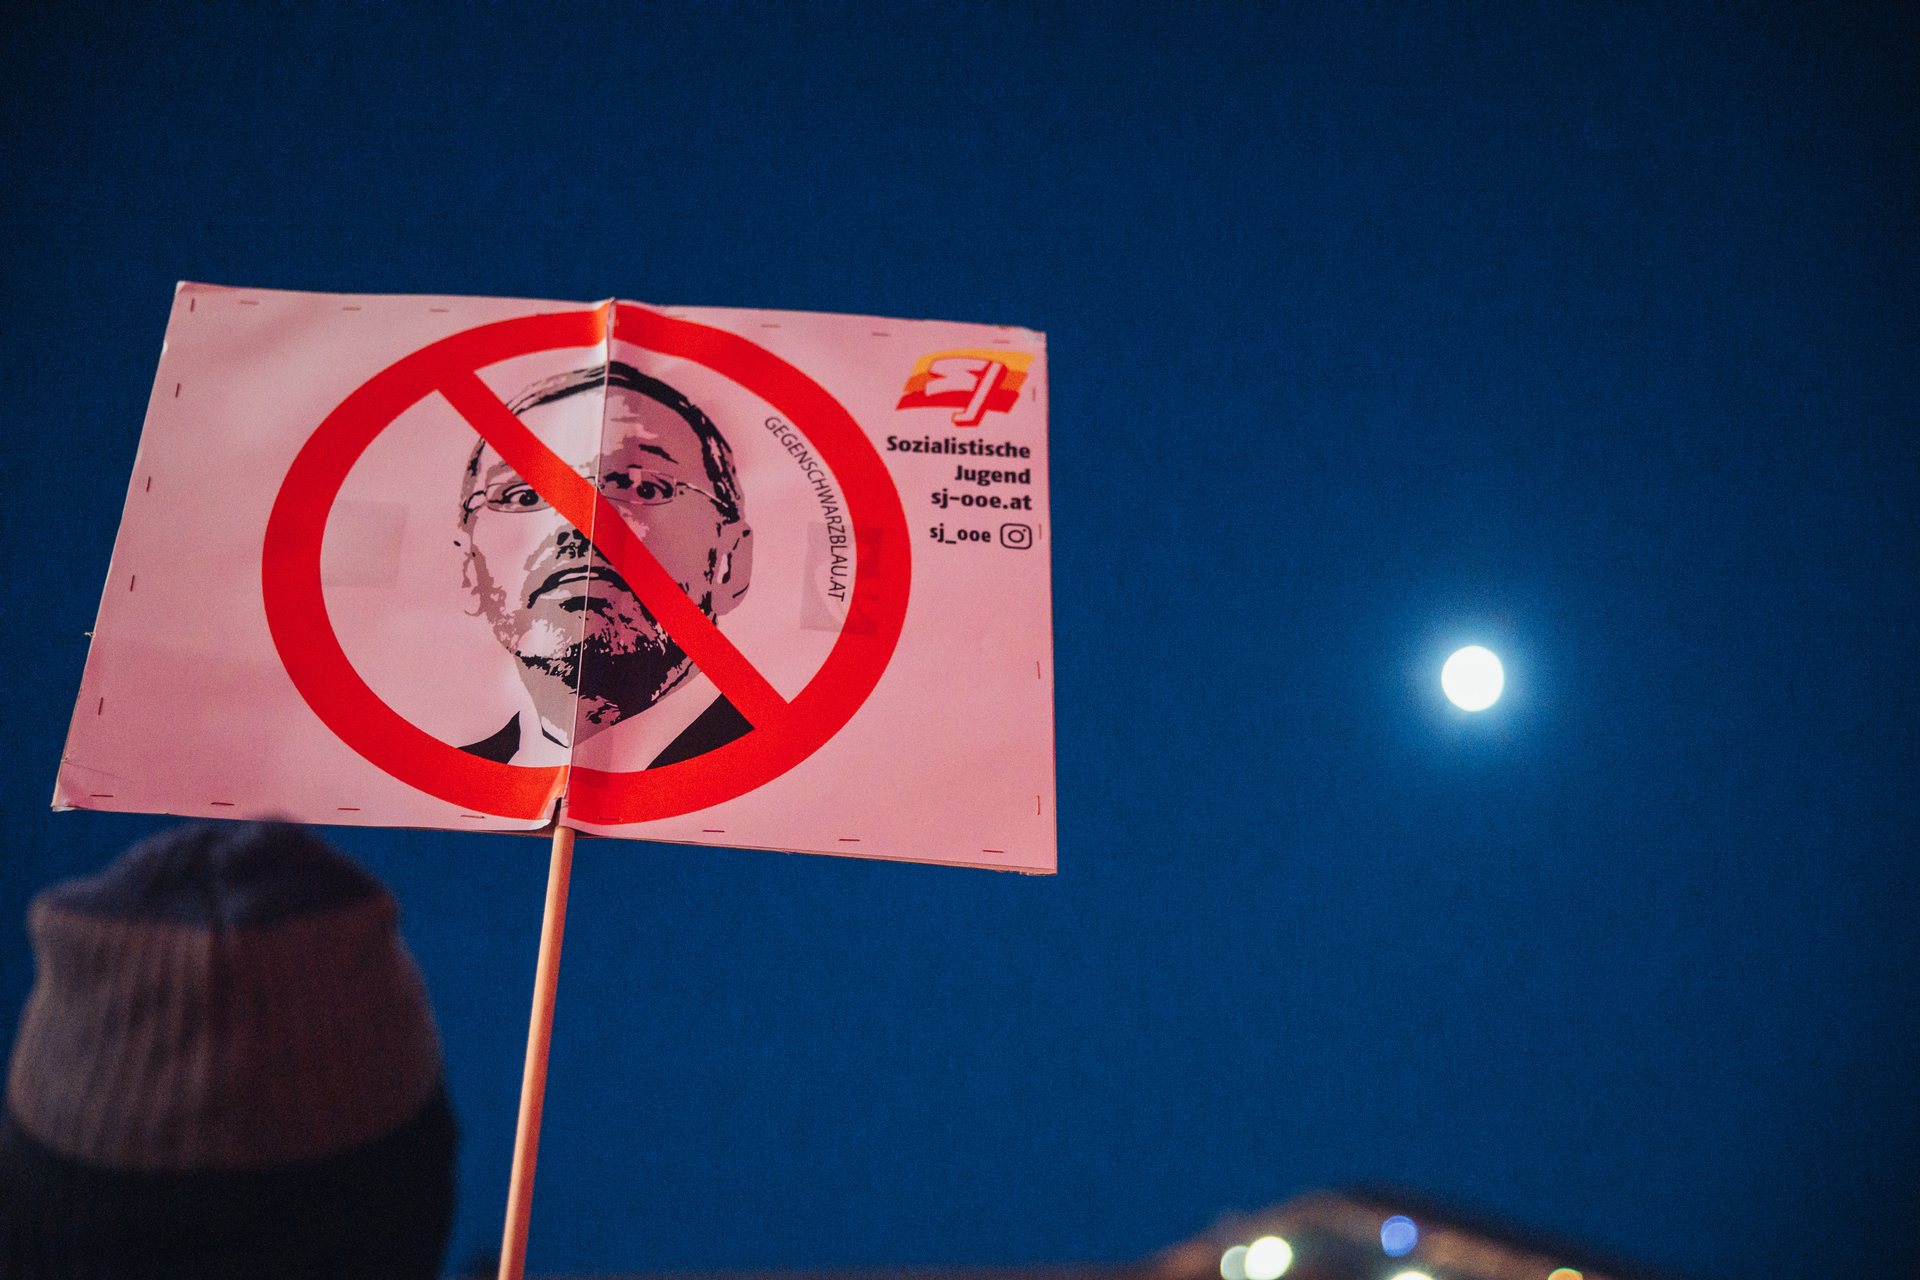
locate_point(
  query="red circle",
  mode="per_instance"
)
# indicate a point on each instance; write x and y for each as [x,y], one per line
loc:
[319,668]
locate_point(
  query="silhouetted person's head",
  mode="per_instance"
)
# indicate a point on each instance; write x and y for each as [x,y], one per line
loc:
[227,1068]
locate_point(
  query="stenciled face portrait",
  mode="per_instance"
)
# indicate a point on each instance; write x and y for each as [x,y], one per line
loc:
[572,622]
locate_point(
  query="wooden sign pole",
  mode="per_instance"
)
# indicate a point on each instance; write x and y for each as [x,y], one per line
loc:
[533,1082]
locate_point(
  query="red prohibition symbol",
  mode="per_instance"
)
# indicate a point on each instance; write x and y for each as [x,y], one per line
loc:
[784,732]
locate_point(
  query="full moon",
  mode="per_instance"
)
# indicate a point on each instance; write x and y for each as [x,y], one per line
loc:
[1472,678]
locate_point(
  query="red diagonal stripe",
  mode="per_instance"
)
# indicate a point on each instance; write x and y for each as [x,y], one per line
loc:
[583,506]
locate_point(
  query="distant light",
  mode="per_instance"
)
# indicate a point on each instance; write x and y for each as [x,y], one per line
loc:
[1268,1258]
[1472,678]
[1233,1263]
[1413,1275]
[1564,1273]
[1398,1235]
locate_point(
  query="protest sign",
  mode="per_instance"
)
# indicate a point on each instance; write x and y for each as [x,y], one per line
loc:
[744,578]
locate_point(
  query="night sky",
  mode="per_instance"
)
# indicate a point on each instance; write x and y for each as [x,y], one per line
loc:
[1584,333]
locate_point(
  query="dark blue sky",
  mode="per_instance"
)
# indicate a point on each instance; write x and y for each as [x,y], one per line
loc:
[1584,332]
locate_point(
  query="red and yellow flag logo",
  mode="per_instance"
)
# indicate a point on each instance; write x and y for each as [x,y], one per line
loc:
[974,383]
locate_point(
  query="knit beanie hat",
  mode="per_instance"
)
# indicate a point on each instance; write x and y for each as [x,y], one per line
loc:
[227,1067]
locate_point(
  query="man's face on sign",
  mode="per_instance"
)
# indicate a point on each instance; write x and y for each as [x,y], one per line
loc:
[554,602]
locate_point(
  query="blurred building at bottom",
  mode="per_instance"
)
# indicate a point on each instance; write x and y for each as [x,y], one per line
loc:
[1362,1235]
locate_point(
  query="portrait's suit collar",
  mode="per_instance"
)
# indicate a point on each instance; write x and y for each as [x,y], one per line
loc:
[689,720]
